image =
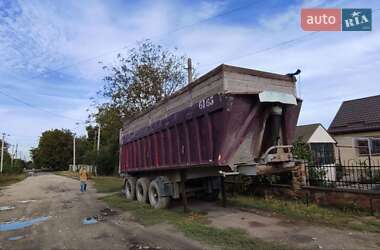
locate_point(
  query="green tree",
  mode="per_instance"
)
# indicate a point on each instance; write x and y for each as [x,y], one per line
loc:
[302,151]
[316,174]
[7,167]
[83,146]
[142,77]
[110,122]
[54,151]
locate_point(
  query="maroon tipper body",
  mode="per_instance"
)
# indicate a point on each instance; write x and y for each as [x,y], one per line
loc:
[230,121]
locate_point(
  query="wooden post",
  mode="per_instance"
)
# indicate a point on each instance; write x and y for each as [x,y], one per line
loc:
[223,190]
[183,191]
[189,71]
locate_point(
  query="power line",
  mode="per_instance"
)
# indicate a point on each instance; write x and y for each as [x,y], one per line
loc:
[277,45]
[242,7]
[112,51]
[172,31]
[269,48]
[37,108]
[215,16]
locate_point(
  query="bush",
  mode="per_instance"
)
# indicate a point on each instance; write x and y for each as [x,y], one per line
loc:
[16,169]
[318,177]
[106,162]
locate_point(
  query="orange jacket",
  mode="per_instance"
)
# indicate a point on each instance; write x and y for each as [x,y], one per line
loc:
[83,175]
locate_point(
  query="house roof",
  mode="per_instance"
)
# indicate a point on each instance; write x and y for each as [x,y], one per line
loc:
[313,133]
[304,132]
[357,115]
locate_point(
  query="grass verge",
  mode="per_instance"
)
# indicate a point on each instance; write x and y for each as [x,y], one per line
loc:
[193,225]
[67,174]
[6,180]
[108,184]
[103,184]
[311,213]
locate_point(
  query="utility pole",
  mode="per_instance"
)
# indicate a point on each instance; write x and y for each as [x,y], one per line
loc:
[74,168]
[189,71]
[120,147]
[98,145]
[95,139]
[2,153]
[12,155]
[16,151]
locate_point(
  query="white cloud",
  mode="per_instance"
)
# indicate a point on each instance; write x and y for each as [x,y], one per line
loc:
[30,41]
[208,9]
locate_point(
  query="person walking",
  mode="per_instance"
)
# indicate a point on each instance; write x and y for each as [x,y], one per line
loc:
[83,176]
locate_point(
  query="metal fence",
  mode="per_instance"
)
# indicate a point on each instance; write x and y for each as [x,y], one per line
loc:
[354,176]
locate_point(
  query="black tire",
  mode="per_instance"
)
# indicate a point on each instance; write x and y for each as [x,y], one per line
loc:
[155,198]
[130,188]
[142,187]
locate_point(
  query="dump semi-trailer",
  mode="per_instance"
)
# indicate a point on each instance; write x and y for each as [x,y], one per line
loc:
[229,121]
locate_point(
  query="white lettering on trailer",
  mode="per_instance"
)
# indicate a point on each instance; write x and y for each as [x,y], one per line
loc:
[207,102]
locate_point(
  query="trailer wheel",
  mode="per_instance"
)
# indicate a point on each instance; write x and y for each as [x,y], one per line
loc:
[142,187]
[130,188]
[155,198]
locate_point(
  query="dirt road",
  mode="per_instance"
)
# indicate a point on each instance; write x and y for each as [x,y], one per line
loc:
[298,234]
[61,208]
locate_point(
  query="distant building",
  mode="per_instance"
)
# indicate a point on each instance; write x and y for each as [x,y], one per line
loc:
[321,143]
[356,129]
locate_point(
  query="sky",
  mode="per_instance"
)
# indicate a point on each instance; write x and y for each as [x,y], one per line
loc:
[50,53]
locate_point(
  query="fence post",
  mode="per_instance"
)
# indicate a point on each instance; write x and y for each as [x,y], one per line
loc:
[298,178]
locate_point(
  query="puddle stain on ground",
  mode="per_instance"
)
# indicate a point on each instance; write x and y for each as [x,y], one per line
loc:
[67,204]
[256,224]
[5,208]
[300,238]
[57,189]
[135,245]
[89,221]
[26,201]
[101,236]
[15,225]
[13,238]
[107,212]
[138,247]
[101,217]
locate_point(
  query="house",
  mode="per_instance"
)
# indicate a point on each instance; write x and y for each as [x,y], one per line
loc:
[356,129]
[319,140]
